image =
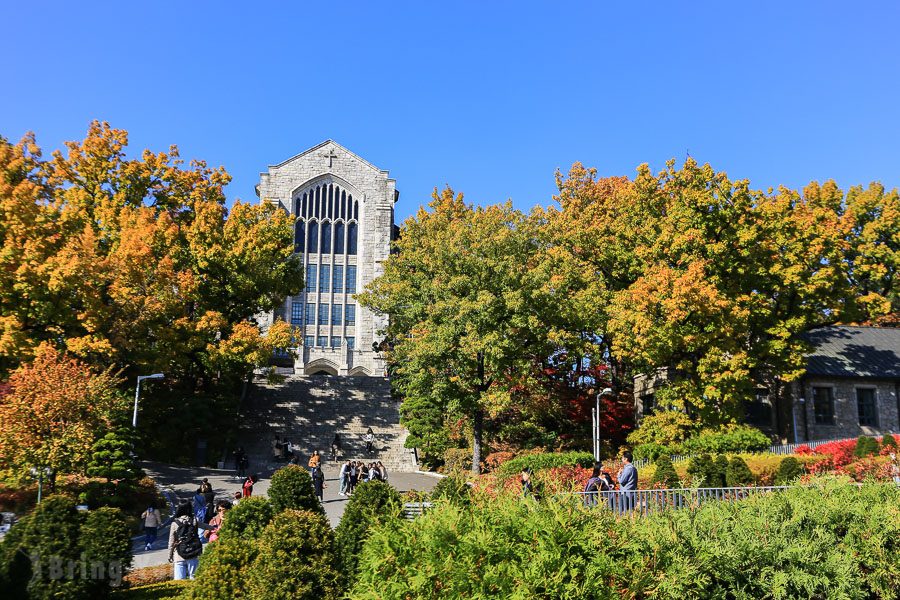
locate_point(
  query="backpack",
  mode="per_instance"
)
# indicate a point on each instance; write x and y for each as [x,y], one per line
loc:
[187,542]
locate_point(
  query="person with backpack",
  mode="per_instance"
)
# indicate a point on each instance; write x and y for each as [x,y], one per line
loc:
[185,546]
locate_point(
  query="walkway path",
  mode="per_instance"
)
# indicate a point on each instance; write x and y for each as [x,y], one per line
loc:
[184,481]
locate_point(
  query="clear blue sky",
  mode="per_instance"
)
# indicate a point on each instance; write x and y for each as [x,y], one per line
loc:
[490,97]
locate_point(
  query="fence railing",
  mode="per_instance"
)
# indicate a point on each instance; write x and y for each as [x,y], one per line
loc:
[774,449]
[645,502]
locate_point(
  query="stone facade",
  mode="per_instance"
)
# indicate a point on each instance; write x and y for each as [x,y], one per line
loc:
[344,210]
[846,417]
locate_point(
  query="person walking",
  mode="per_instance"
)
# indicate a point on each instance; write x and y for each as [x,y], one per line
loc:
[240,460]
[318,479]
[344,477]
[335,447]
[152,521]
[198,505]
[185,546]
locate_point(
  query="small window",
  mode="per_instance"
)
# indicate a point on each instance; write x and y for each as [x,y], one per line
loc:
[350,310]
[339,238]
[336,314]
[758,411]
[337,282]
[326,237]
[323,341]
[323,314]
[648,404]
[335,342]
[312,236]
[351,279]
[351,238]
[311,278]
[310,314]
[351,342]
[325,279]
[299,236]
[823,405]
[296,313]
[308,341]
[865,404]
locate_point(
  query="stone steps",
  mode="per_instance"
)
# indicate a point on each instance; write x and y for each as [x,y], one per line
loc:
[308,411]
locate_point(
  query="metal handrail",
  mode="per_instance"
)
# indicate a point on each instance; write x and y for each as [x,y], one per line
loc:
[648,501]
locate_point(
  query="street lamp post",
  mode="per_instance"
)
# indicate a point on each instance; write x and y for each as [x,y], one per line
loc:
[137,393]
[596,421]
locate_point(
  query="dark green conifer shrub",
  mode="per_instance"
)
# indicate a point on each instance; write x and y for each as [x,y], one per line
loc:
[738,473]
[224,569]
[105,543]
[865,446]
[789,470]
[296,559]
[665,475]
[52,536]
[719,471]
[371,504]
[292,488]
[15,565]
[698,469]
[246,521]
[889,442]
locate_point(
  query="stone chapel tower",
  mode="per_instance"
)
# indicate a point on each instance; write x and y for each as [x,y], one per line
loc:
[344,211]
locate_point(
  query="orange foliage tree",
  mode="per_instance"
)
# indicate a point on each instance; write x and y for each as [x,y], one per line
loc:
[52,412]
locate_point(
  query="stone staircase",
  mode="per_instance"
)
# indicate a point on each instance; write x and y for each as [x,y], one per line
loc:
[309,410]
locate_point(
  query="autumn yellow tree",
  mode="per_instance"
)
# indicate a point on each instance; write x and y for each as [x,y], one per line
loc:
[135,262]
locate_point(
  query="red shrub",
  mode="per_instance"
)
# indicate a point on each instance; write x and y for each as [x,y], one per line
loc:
[841,453]
[803,449]
[495,459]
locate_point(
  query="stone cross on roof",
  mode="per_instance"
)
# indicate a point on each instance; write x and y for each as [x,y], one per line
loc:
[330,155]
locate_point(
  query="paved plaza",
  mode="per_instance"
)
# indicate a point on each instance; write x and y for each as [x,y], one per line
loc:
[181,483]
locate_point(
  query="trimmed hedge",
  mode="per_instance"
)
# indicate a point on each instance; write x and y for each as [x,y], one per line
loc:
[372,502]
[292,488]
[246,521]
[154,591]
[546,460]
[828,540]
[739,439]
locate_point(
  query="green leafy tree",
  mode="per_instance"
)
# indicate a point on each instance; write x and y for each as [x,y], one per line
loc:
[465,327]
[292,488]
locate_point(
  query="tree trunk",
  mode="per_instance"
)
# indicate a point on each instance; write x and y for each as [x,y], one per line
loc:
[477,433]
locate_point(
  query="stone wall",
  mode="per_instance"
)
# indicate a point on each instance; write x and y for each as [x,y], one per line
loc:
[846,412]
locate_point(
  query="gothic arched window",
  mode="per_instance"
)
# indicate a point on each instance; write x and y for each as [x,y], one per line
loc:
[351,238]
[339,238]
[299,235]
[312,236]
[326,237]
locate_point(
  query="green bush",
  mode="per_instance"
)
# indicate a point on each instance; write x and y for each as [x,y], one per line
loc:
[292,488]
[546,460]
[112,458]
[830,540]
[372,503]
[453,488]
[889,443]
[865,446]
[666,428]
[508,549]
[651,451]
[738,473]
[15,566]
[706,471]
[224,569]
[789,470]
[665,475]
[52,534]
[106,540]
[246,521]
[741,438]
[295,559]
